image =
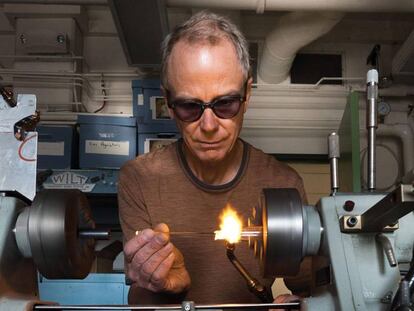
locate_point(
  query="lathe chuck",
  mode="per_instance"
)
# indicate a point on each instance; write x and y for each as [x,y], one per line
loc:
[48,231]
[282,232]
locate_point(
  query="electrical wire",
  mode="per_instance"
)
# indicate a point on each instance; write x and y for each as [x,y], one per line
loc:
[410,109]
[104,94]
[21,156]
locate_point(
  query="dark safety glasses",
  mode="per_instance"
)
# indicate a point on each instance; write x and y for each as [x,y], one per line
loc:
[190,110]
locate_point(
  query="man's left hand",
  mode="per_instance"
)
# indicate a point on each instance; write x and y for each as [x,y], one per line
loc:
[285,298]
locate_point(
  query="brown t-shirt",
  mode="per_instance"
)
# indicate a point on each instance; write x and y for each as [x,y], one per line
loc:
[160,187]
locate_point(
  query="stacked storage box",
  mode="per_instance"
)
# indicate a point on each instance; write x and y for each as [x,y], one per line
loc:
[56,147]
[106,141]
[155,127]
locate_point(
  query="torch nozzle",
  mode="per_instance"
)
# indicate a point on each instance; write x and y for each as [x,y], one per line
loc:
[254,285]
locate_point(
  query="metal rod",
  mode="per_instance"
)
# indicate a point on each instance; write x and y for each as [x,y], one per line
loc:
[252,234]
[371,159]
[252,306]
[191,233]
[334,154]
[372,102]
[247,232]
[334,175]
[95,234]
[184,233]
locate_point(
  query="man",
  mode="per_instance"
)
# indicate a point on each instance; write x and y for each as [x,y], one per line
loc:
[185,186]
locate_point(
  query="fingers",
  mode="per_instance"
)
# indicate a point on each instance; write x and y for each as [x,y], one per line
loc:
[136,243]
[285,298]
[150,257]
[151,261]
[160,275]
[162,228]
[154,263]
[282,298]
[290,298]
[142,238]
[156,243]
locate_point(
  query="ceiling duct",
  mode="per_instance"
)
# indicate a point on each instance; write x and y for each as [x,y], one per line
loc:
[403,61]
[261,6]
[141,25]
[292,32]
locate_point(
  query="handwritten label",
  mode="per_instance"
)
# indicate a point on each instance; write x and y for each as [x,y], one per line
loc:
[51,149]
[140,99]
[107,147]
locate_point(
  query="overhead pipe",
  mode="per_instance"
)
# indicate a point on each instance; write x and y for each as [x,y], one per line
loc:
[105,74]
[292,32]
[77,79]
[404,133]
[65,80]
[65,117]
[65,2]
[92,97]
[301,5]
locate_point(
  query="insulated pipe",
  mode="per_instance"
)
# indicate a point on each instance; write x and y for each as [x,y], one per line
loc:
[292,32]
[406,135]
[301,5]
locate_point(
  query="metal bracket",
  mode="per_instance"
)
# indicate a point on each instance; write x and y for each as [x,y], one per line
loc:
[346,220]
[384,215]
[387,212]
[18,158]
[351,223]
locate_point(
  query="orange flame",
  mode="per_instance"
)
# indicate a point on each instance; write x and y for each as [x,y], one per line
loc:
[230,226]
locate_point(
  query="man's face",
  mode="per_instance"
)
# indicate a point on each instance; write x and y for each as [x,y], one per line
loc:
[205,72]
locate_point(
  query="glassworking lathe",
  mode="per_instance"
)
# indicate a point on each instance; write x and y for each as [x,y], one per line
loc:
[361,244]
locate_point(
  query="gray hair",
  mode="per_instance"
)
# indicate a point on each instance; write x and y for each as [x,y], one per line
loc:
[206,27]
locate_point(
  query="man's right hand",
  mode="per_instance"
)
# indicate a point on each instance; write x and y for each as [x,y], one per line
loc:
[154,263]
